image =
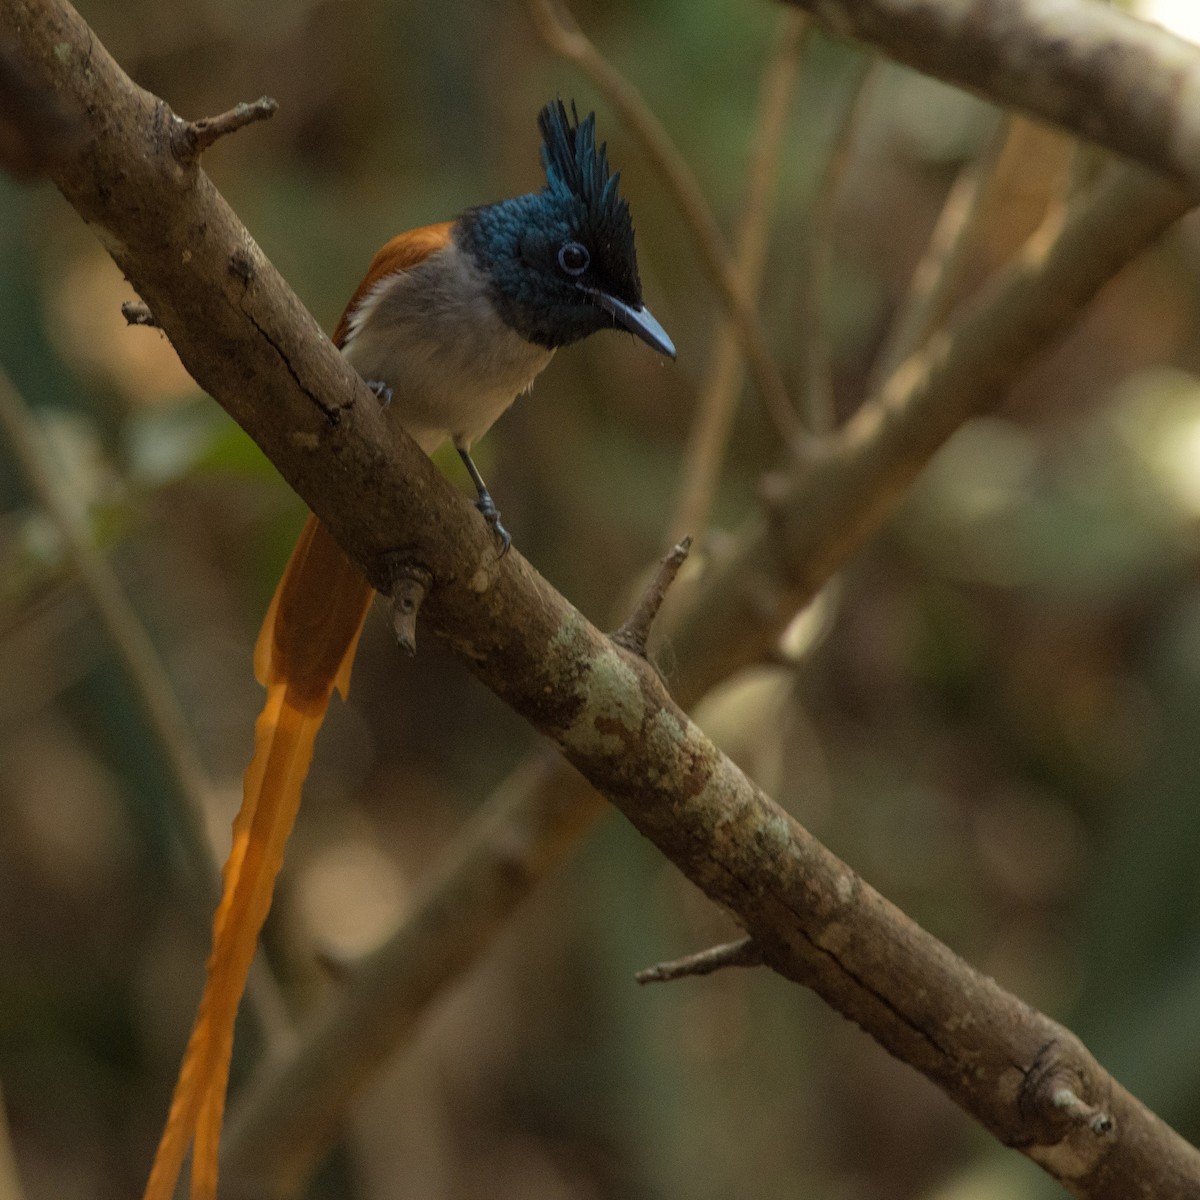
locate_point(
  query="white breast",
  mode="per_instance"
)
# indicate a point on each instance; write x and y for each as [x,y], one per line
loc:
[432,335]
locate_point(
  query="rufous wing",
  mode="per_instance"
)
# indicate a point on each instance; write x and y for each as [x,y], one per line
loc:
[400,254]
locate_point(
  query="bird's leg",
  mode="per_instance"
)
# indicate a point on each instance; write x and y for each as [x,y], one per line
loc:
[485,503]
[383,393]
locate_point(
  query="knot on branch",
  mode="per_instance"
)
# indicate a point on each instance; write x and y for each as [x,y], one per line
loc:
[1082,1113]
[137,313]
[241,266]
[1052,1098]
[189,139]
[635,632]
[410,584]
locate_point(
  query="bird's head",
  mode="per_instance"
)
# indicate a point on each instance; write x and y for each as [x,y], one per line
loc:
[561,262]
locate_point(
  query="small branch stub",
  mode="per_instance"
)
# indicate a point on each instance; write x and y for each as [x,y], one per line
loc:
[1051,1098]
[137,313]
[742,953]
[408,593]
[635,632]
[1098,1122]
[192,138]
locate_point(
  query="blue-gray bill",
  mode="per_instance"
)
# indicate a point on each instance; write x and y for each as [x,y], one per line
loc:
[639,321]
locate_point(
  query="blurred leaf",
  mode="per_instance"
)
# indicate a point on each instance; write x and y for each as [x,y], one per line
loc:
[225,448]
[164,444]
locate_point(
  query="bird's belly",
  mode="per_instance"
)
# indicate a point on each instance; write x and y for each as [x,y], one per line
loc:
[453,385]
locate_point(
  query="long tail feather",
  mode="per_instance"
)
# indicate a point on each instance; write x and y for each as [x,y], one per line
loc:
[305,649]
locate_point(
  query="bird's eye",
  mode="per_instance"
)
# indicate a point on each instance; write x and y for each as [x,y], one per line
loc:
[574,258]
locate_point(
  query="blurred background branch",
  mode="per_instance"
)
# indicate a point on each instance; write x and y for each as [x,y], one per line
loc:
[816,282]
[1094,69]
[721,386]
[818,518]
[191,788]
[10,1179]
[941,266]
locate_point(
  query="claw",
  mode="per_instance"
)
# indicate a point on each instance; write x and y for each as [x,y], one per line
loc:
[383,393]
[485,503]
[491,514]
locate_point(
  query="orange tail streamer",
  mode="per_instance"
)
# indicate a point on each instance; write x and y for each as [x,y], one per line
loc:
[305,650]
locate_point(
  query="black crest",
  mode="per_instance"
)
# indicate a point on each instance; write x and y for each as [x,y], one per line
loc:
[576,167]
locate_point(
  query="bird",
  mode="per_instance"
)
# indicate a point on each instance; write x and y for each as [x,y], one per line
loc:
[450,324]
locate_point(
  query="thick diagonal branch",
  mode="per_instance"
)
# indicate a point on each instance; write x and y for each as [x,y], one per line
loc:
[545,811]
[826,520]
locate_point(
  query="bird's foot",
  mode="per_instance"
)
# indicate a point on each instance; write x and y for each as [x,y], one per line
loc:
[383,393]
[491,514]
